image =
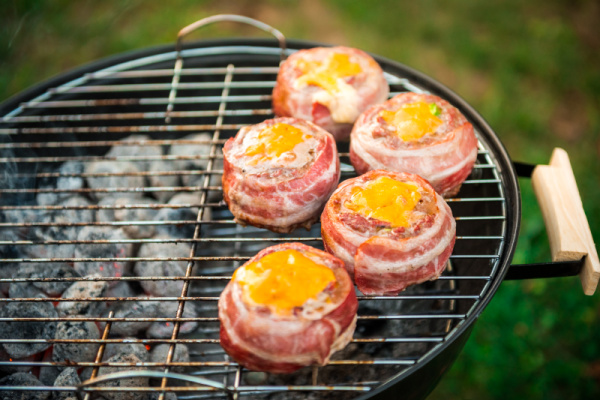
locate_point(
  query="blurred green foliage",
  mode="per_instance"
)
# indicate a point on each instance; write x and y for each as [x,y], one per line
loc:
[530,68]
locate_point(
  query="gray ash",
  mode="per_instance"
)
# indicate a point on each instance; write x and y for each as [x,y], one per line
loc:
[27,329]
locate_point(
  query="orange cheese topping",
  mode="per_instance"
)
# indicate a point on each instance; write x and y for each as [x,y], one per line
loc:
[325,73]
[412,121]
[385,199]
[283,280]
[275,141]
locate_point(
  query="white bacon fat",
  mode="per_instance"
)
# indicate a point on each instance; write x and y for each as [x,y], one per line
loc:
[280,192]
[445,156]
[385,261]
[335,105]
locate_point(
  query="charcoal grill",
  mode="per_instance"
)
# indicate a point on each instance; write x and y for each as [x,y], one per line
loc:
[218,87]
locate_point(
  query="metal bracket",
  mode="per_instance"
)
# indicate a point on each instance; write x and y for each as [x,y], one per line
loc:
[544,270]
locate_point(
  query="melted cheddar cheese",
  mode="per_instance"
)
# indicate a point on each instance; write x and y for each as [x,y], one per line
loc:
[283,280]
[274,141]
[412,121]
[327,73]
[385,199]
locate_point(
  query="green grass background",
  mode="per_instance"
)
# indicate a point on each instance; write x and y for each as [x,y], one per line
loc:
[531,68]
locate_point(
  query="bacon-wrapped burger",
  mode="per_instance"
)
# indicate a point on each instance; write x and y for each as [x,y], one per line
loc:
[416,133]
[288,307]
[329,86]
[278,174]
[391,229]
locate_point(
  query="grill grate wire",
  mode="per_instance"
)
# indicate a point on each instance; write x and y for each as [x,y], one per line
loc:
[79,120]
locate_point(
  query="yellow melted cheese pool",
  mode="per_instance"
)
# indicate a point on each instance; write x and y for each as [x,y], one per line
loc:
[283,280]
[326,73]
[412,121]
[275,141]
[385,199]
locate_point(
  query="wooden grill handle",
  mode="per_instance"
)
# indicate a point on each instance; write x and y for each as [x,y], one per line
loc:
[568,229]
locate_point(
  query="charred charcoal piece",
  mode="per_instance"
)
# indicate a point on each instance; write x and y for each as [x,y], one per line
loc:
[121,289]
[169,309]
[41,271]
[22,379]
[165,268]
[79,290]
[111,182]
[125,382]
[198,161]
[156,395]
[140,150]
[128,214]
[159,353]
[11,369]
[61,231]
[68,183]
[197,153]
[162,181]
[24,290]
[75,352]
[134,309]
[124,348]
[103,250]
[27,329]
[181,214]
[68,377]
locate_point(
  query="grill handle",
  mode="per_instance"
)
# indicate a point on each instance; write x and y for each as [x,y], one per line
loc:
[207,21]
[571,242]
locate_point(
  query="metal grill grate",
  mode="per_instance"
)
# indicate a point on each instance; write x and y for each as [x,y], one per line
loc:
[222,88]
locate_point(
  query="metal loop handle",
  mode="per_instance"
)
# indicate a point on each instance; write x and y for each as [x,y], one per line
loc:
[207,21]
[152,374]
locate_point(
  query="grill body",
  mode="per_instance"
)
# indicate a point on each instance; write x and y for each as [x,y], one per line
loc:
[403,344]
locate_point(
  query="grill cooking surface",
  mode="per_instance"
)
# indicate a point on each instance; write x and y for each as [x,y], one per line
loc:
[104,202]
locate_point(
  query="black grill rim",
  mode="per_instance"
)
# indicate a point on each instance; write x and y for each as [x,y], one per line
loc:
[498,152]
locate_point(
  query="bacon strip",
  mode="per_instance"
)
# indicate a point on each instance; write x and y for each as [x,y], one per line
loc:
[385,264]
[280,197]
[367,88]
[445,161]
[263,341]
